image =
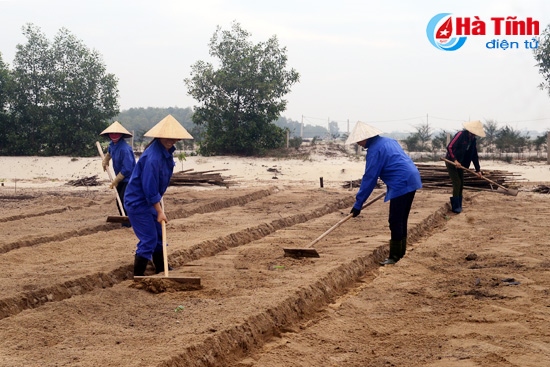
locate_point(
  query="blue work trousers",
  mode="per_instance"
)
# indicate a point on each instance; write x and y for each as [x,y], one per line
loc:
[147,230]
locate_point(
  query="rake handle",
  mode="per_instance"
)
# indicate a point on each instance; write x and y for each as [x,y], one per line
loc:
[164,253]
[474,172]
[343,220]
[111,178]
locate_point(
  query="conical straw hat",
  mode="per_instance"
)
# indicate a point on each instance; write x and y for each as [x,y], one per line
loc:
[168,128]
[362,131]
[116,128]
[475,127]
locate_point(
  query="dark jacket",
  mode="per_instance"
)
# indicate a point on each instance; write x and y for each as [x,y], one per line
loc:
[462,148]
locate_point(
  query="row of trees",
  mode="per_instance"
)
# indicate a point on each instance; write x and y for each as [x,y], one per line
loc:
[139,120]
[497,140]
[56,98]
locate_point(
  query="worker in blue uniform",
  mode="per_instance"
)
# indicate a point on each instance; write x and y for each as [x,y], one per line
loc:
[147,185]
[122,155]
[385,159]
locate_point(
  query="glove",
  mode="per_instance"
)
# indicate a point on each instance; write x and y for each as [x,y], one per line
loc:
[117,179]
[105,162]
[355,212]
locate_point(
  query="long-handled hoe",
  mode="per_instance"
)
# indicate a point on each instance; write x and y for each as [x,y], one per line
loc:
[308,251]
[193,281]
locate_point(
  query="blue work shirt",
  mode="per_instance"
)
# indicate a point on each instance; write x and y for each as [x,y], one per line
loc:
[123,158]
[151,177]
[387,160]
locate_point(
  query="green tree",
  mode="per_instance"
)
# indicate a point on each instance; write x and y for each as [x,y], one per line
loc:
[424,134]
[439,141]
[63,96]
[540,143]
[542,56]
[417,142]
[240,100]
[509,140]
[4,104]
[411,142]
[491,129]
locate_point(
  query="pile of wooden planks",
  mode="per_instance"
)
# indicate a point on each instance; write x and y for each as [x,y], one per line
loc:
[357,183]
[86,181]
[212,177]
[436,176]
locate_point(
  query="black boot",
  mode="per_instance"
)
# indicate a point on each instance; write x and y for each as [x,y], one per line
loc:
[460,202]
[158,260]
[395,252]
[455,204]
[140,264]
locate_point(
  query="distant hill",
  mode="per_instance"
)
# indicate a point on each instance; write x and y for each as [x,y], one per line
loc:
[142,119]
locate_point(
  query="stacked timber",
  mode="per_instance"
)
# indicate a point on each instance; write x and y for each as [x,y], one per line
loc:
[357,183]
[188,178]
[436,176]
[86,181]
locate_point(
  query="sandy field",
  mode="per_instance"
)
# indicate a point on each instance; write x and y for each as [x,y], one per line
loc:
[473,289]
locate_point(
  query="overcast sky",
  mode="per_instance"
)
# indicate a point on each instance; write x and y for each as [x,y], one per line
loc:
[358,60]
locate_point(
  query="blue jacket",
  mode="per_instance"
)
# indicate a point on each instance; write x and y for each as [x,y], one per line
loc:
[150,178]
[387,160]
[123,159]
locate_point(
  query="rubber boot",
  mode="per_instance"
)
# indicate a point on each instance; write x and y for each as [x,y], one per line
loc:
[158,261]
[460,202]
[140,264]
[455,204]
[395,252]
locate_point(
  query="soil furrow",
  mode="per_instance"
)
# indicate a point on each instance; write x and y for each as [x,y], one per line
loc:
[86,282]
[245,299]
[37,214]
[236,341]
[232,344]
[440,305]
[95,222]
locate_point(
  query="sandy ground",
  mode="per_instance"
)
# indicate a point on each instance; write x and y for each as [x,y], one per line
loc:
[472,290]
